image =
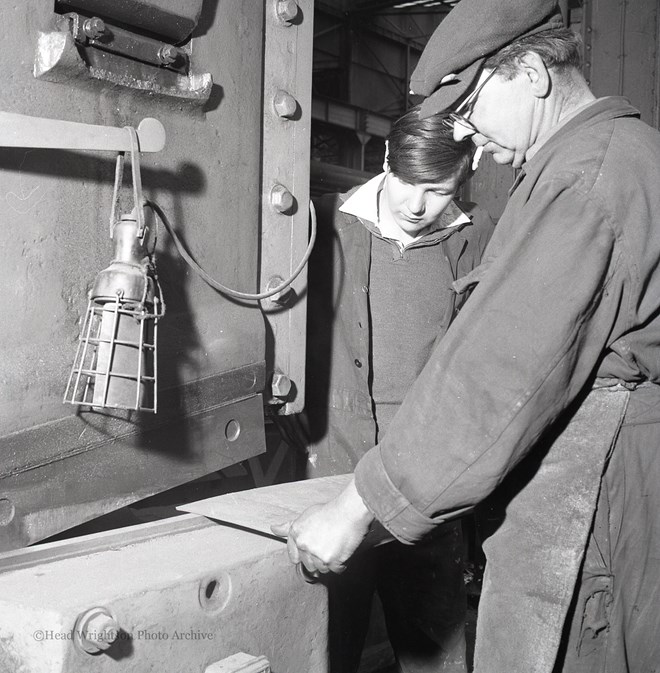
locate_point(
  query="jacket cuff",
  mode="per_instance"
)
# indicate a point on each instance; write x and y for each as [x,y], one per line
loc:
[384,500]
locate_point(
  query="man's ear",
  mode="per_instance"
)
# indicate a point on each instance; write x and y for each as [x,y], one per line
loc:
[537,73]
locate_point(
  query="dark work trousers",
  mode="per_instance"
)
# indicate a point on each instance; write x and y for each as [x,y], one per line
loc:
[422,591]
[614,626]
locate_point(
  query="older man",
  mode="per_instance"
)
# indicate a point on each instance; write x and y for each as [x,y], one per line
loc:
[546,387]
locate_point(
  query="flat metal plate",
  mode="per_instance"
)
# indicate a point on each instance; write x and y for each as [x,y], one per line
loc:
[257,509]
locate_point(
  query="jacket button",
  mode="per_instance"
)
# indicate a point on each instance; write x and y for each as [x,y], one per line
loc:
[365,289]
[357,363]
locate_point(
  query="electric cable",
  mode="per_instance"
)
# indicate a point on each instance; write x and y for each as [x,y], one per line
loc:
[187,257]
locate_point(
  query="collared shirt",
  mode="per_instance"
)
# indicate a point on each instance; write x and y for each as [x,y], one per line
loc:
[363,204]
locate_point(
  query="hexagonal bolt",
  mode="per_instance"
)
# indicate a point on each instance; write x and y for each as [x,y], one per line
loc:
[281,385]
[287,11]
[281,198]
[95,630]
[168,54]
[283,297]
[93,28]
[285,104]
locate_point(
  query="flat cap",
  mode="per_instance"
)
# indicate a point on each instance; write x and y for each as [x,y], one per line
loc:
[473,30]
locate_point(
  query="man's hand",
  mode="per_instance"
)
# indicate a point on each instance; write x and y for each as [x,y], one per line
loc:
[325,536]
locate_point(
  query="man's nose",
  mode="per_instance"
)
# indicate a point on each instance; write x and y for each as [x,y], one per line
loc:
[461,132]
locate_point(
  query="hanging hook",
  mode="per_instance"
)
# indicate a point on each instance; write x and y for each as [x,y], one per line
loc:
[138,199]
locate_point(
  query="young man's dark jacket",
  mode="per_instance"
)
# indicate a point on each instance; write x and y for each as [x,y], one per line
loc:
[338,401]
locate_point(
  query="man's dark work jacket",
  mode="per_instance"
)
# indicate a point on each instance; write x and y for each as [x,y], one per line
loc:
[569,291]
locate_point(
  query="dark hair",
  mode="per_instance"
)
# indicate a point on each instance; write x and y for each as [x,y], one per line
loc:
[559,48]
[424,150]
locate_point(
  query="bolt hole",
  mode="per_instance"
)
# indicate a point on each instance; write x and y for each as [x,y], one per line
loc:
[211,588]
[7,511]
[215,592]
[232,430]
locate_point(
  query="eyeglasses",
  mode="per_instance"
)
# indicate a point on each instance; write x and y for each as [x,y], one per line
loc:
[465,107]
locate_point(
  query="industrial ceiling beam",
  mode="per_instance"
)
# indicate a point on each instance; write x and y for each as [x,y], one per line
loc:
[416,44]
[377,6]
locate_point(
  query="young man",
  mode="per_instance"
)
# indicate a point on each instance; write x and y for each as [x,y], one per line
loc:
[547,383]
[380,298]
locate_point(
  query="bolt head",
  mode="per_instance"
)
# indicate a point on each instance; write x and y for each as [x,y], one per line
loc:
[96,630]
[281,199]
[285,104]
[287,10]
[281,386]
[283,297]
[102,631]
[168,54]
[93,28]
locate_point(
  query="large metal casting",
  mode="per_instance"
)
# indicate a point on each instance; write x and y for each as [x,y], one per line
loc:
[174,596]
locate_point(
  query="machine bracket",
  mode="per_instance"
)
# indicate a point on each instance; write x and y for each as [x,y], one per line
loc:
[87,47]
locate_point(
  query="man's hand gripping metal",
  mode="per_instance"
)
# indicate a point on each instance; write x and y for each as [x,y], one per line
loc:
[325,536]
